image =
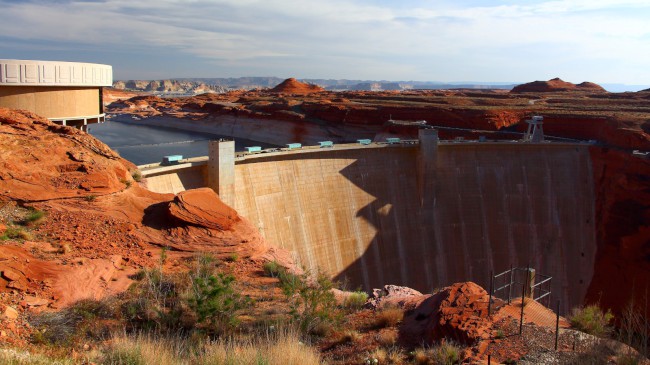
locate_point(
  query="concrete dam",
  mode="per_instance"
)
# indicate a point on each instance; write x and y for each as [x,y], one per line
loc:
[423,214]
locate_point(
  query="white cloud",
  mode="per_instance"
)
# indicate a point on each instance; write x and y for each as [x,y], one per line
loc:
[341,38]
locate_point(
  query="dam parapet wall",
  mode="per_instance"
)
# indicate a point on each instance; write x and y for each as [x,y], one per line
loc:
[423,214]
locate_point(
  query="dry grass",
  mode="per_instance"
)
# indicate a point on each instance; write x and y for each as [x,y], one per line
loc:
[283,347]
[389,317]
[21,357]
[141,350]
[350,336]
[387,338]
[276,349]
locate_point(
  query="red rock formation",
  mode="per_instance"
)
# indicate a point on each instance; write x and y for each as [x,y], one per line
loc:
[41,160]
[202,207]
[99,226]
[293,86]
[457,313]
[557,85]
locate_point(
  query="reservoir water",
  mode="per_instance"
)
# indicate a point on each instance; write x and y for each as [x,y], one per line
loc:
[142,144]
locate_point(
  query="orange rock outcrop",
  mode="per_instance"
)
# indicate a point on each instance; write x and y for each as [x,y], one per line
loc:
[293,86]
[557,85]
[99,225]
[458,313]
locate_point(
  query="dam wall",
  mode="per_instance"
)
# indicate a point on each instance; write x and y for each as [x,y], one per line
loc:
[427,215]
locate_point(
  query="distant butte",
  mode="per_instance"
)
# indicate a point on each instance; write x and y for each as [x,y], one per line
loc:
[556,85]
[293,86]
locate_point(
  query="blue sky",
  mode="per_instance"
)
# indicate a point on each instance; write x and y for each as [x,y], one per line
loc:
[603,41]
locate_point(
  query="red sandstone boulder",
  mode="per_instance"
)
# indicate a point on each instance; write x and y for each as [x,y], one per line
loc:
[458,313]
[393,295]
[202,207]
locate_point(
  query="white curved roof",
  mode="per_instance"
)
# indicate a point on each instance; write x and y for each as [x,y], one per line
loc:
[54,73]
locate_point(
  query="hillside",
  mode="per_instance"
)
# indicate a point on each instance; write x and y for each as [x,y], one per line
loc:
[557,85]
[293,86]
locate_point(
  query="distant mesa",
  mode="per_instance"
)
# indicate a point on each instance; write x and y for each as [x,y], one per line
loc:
[293,86]
[557,85]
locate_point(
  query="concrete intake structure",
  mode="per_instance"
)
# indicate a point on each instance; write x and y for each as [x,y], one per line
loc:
[423,215]
[68,93]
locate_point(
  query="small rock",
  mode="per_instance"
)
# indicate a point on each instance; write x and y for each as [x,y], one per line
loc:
[11,313]
[33,301]
[18,285]
[11,275]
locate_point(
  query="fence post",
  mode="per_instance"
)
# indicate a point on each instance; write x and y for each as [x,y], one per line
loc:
[523,297]
[491,293]
[510,286]
[557,324]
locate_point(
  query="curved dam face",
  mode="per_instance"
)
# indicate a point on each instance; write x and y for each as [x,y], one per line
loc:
[422,215]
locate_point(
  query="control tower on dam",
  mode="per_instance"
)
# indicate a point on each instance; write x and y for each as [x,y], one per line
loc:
[423,215]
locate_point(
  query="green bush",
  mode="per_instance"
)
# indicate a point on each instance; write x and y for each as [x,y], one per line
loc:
[34,216]
[446,353]
[273,269]
[312,302]
[136,175]
[592,320]
[214,300]
[15,233]
[355,300]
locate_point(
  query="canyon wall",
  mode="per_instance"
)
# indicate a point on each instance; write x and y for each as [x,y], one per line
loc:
[428,215]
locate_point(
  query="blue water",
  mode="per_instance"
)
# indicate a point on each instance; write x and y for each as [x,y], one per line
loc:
[142,144]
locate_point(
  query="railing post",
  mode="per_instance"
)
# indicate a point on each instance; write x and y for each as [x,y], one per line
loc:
[557,324]
[523,297]
[491,293]
[510,286]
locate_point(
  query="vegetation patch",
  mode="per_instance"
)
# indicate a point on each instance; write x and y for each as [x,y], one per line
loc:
[592,320]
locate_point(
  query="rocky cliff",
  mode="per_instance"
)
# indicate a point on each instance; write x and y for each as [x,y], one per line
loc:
[75,221]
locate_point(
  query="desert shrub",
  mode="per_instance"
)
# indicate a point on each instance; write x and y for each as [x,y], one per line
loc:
[592,320]
[387,338]
[34,216]
[273,269]
[349,336]
[233,257]
[312,302]
[136,175]
[355,300]
[15,233]
[388,317]
[634,329]
[215,301]
[420,356]
[82,320]
[126,182]
[446,353]
[154,302]
[90,198]
[378,356]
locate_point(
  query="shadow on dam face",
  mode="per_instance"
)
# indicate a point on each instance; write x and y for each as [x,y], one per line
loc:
[376,216]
